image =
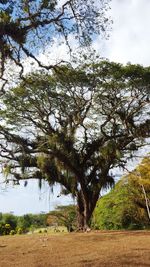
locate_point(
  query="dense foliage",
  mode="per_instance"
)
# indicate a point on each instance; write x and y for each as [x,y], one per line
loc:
[74,126]
[62,216]
[125,206]
[11,224]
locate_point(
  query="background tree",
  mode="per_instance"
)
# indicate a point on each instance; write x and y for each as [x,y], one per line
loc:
[74,127]
[28,221]
[141,178]
[28,27]
[64,216]
[125,207]
[11,224]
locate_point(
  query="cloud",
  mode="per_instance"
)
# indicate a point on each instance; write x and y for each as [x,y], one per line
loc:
[130,37]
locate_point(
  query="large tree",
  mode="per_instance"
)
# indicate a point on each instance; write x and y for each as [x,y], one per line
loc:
[74,126]
[28,27]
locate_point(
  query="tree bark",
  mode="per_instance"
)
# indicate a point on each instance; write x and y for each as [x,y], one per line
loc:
[80,212]
[85,208]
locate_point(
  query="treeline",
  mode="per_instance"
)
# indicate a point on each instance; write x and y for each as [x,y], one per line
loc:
[11,224]
[62,216]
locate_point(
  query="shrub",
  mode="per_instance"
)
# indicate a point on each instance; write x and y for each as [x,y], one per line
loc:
[7,229]
[19,231]
[12,232]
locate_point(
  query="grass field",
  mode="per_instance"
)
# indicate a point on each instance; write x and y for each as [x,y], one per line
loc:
[95,249]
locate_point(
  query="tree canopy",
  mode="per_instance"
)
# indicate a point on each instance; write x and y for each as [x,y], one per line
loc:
[64,216]
[28,27]
[74,126]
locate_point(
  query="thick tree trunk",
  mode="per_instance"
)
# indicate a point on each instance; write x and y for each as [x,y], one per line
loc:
[85,207]
[80,212]
[83,220]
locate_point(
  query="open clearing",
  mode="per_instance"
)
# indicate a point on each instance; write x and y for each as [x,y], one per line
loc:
[95,249]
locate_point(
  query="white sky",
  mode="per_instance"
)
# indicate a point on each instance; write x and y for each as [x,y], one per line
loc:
[129,42]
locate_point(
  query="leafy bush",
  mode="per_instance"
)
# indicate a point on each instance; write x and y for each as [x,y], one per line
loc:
[12,232]
[125,207]
[10,219]
[19,231]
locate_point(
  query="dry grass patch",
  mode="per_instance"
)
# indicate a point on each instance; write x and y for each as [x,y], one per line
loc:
[80,250]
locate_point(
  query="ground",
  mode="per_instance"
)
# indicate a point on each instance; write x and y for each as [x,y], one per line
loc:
[94,249]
